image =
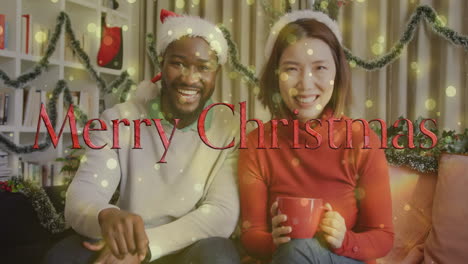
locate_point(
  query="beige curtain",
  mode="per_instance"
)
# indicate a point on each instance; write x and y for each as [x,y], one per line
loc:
[429,79]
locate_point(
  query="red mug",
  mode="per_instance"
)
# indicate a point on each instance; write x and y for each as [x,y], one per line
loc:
[303,214]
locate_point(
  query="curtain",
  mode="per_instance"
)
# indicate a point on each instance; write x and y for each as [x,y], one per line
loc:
[429,79]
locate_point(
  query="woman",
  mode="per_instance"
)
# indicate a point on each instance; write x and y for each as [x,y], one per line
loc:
[307,77]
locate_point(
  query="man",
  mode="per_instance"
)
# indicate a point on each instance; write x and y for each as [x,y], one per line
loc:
[182,211]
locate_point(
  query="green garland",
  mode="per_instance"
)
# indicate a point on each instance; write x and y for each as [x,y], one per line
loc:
[421,12]
[122,82]
[234,58]
[151,50]
[426,12]
[419,159]
[273,14]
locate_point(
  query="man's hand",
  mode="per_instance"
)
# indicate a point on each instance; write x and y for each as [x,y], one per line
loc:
[106,256]
[123,233]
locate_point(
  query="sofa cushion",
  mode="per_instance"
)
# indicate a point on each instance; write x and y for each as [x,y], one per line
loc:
[412,194]
[448,239]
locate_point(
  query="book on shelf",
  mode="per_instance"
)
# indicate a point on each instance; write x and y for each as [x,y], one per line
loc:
[2,110]
[26,37]
[85,101]
[33,99]
[5,170]
[42,174]
[4,103]
[7,26]
[3,31]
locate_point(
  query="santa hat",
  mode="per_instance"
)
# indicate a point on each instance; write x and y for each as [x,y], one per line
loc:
[297,15]
[174,27]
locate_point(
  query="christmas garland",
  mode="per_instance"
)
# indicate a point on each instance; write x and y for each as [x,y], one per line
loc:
[273,14]
[422,12]
[234,58]
[419,159]
[123,82]
[151,50]
[426,12]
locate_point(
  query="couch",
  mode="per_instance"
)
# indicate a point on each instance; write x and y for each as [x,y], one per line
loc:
[429,214]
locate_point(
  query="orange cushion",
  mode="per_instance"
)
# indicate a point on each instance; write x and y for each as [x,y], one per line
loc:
[412,194]
[448,239]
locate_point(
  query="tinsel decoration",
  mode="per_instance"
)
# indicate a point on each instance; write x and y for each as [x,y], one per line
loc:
[419,159]
[421,12]
[234,58]
[151,51]
[411,160]
[47,215]
[426,12]
[123,81]
[272,13]
[329,7]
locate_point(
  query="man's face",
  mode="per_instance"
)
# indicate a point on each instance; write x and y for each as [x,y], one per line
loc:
[189,71]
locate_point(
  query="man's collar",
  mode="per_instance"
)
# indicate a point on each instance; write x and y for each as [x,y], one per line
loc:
[154,112]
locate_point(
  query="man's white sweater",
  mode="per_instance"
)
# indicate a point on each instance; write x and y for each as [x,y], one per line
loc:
[192,196]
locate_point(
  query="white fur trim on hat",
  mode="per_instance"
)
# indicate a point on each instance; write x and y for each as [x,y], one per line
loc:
[146,91]
[294,16]
[175,27]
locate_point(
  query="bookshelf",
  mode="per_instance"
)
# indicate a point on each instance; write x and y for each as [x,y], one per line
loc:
[85,16]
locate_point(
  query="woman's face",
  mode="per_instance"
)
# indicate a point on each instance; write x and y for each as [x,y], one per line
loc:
[306,77]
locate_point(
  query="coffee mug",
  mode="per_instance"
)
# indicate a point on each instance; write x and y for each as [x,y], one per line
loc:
[303,215]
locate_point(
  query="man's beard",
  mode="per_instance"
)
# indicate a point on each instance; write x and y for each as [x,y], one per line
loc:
[176,113]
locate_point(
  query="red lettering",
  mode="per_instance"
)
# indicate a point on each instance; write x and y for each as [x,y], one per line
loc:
[243,128]
[410,135]
[330,132]
[72,121]
[349,133]
[86,130]
[201,126]
[313,133]
[163,137]
[115,131]
[274,132]
[136,129]
[428,133]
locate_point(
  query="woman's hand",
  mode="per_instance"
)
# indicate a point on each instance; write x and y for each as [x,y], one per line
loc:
[278,231]
[334,227]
